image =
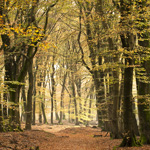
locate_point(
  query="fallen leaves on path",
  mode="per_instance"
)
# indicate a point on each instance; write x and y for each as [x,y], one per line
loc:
[81,138]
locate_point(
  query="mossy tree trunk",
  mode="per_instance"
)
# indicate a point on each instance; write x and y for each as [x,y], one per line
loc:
[24,103]
[144,112]
[129,137]
[115,108]
[128,43]
[143,80]
[144,105]
[115,90]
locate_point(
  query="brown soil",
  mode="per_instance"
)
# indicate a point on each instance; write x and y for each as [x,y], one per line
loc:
[60,137]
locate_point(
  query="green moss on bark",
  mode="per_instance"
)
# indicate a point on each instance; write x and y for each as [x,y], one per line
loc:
[130,142]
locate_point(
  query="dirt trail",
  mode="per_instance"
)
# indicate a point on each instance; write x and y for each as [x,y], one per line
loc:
[55,128]
[69,137]
[60,137]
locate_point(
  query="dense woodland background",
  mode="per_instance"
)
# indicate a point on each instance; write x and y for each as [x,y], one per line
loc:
[76,60]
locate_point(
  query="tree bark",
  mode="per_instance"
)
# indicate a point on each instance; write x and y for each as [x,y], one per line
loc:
[128,43]
[143,84]
[24,103]
[1,115]
[43,111]
[62,98]
[53,90]
[29,98]
[74,100]
[34,94]
[40,113]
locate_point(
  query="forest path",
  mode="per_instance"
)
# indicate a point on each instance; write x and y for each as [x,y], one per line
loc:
[71,137]
[60,137]
[55,128]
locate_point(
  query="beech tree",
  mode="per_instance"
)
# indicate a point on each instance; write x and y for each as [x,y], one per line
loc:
[143,76]
[128,43]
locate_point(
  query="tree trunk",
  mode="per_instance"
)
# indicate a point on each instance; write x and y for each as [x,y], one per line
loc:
[56,111]
[29,98]
[43,111]
[62,98]
[99,82]
[34,106]
[53,90]
[34,98]
[78,85]
[128,43]
[1,115]
[143,84]
[43,98]
[90,107]
[144,112]
[69,111]
[40,113]
[52,109]
[24,103]
[129,138]
[74,100]
[115,108]
[14,113]
[143,104]
[5,97]
[34,91]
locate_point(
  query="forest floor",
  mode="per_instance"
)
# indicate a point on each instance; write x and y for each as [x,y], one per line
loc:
[61,137]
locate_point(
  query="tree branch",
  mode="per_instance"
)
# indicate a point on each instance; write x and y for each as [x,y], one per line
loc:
[81,49]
